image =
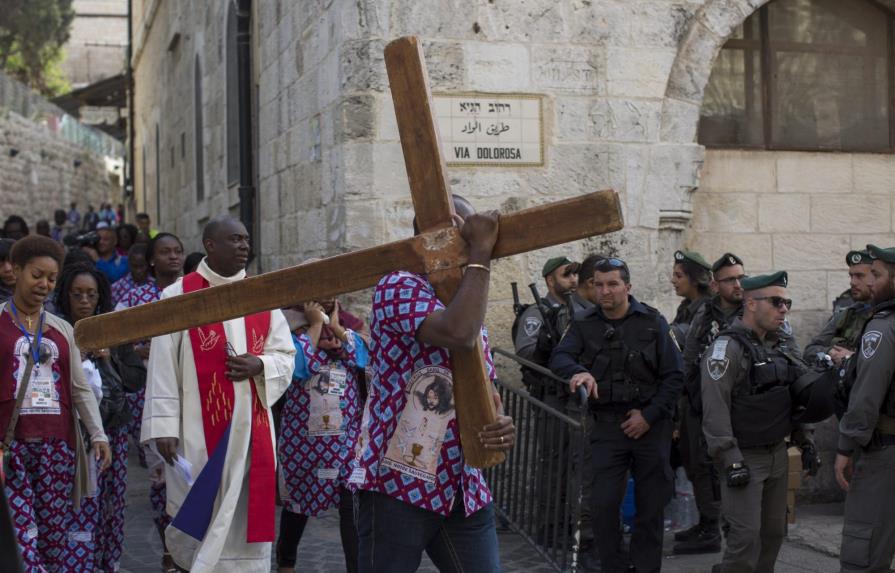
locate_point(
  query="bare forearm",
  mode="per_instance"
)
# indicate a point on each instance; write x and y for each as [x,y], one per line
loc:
[314,333]
[458,325]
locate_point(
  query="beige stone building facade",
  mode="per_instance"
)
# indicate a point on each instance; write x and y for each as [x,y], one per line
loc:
[97,45]
[790,165]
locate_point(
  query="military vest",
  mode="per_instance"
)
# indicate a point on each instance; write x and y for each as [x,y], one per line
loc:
[623,359]
[850,326]
[761,408]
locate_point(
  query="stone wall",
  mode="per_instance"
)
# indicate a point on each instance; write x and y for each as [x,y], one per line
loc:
[97,44]
[48,159]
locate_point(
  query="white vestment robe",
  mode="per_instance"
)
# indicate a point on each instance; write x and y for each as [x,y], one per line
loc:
[173,410]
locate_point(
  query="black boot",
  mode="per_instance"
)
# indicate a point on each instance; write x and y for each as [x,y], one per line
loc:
[689,533]
[706,540]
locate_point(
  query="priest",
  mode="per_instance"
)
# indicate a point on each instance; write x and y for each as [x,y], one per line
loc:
[207,412]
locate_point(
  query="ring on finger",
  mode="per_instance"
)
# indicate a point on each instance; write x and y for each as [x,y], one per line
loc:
[501,440]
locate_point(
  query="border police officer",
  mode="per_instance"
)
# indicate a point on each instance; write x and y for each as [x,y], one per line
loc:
[839,337]
[538,330]
[747,415]
[622,353]
[868,535]
[690,278]
[533,340]
[709,320]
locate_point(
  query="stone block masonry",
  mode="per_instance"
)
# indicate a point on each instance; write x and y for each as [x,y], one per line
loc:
[47,159]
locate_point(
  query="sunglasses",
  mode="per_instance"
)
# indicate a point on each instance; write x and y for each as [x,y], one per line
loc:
[572,269]
[611,264]
[777,301]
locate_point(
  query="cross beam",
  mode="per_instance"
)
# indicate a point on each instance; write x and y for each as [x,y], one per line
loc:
[438,252]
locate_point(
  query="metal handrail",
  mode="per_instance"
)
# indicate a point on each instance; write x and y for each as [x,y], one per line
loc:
[531,489]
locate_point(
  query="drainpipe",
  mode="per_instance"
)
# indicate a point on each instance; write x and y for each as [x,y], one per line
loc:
[131,139]
[246,169]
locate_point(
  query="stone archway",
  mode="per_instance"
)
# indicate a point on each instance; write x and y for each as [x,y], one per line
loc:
[709,29]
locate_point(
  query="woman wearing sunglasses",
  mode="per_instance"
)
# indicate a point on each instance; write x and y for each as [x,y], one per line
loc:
[43,395]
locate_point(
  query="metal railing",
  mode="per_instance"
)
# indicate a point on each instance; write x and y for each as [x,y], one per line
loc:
[538,489]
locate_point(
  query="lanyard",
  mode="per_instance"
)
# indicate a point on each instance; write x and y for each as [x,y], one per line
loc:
[38,334]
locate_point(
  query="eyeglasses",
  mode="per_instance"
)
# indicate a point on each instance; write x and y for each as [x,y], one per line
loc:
[88,296]
[230,350]
[731,280]
[777,301]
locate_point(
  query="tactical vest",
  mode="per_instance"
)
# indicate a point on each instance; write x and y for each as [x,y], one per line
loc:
[714,322]
[623,359]
[850,326]
[761,409]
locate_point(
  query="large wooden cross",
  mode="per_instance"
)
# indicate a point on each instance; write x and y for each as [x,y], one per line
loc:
[438,251]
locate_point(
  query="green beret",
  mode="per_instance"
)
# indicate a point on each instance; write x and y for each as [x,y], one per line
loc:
[726,260]
[780,278]
[692,257]
[858,258]
[553,264]
[885,255]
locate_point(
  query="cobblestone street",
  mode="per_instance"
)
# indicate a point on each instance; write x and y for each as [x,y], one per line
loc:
[321,552]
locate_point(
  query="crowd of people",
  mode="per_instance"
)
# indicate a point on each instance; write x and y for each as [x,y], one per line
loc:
[312,409]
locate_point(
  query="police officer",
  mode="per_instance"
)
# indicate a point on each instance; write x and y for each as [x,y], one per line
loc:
[622,353]
[690,278]
[537,334]
[710,319]
[747,415]
[839,337]
[538,330]
[868,534]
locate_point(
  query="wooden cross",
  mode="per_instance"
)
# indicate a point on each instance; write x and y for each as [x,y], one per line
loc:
[438,251]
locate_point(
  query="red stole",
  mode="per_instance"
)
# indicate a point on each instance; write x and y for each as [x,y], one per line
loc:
[209,345]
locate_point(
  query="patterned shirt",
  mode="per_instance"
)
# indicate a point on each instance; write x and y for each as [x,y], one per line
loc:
[319,425]
[140,294]
[122,286]
[413,450]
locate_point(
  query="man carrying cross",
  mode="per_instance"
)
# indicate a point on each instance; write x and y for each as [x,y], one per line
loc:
[418,493]
[207,406]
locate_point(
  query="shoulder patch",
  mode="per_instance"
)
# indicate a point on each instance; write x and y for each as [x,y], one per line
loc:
[870,343]
[717,368]
[532,325]
[719,349]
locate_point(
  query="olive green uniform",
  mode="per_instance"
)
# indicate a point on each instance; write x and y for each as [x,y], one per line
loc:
[868,535]
[755,512]
[843,329]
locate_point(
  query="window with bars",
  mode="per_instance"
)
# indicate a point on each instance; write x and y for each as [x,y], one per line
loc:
[804,75]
